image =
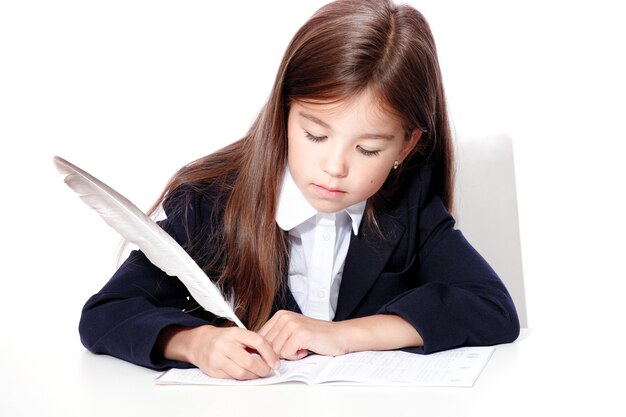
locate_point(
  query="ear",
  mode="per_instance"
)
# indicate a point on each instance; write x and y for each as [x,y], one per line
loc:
[410,144]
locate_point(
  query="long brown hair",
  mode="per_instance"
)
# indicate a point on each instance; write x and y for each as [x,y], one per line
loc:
[344,48]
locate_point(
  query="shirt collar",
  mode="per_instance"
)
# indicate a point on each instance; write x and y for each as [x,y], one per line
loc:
[294,209]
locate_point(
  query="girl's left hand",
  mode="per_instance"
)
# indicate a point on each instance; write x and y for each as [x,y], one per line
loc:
[293,336]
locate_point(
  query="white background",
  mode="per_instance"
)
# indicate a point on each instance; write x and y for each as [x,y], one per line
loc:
[132,90]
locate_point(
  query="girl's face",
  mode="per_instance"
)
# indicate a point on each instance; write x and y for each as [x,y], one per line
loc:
[341,153]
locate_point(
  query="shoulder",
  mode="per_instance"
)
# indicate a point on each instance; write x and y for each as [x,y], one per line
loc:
[406,205]
[422,192]
[421,208]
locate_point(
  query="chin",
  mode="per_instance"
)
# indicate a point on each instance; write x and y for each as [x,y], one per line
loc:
[329,207]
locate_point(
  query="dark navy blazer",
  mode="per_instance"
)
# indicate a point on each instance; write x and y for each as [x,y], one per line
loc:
[422,270]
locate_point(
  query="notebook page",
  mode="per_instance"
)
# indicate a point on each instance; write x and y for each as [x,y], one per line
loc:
[457,367]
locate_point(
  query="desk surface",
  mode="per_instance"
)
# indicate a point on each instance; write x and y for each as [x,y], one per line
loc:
[533,375]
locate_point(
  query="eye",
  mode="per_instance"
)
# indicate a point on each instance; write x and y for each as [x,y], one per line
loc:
[367,152]
[314,138]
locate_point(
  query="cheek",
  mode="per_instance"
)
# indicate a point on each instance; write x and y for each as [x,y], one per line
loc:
[297,156]
[299,160]
[373,182]
[293,150]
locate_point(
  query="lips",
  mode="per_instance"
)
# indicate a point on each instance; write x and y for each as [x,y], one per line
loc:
[331,189]
[328,192]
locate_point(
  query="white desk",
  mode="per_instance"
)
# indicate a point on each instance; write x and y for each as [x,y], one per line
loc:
[534,376]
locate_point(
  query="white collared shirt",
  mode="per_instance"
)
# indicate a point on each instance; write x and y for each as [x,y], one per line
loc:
[319,245]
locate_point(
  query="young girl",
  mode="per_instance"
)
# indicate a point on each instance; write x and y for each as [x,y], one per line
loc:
[328,222]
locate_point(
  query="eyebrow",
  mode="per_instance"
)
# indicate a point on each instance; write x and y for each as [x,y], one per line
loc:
[314,119]
[327,126]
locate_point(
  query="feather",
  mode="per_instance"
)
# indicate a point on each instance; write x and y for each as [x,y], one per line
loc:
[136,227]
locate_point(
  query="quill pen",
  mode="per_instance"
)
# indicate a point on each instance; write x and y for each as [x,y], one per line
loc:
[158,246]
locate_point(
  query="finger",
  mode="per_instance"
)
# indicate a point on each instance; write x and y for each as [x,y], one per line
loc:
[299,354]
[275,326]
[272,334]
[267,353]
[223,367]
[216,373]
[302,353]
[254,342]
[293,348]
[266,328]
[234,369]
[248,365]
[285,339]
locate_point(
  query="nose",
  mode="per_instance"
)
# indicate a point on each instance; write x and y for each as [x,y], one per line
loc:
[335,164]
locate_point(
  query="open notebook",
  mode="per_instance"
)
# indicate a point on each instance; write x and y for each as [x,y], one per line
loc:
[452,368]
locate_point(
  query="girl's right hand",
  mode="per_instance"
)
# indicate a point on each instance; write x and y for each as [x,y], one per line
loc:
[220,352]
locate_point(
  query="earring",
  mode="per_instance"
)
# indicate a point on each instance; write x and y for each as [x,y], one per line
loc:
[396,164]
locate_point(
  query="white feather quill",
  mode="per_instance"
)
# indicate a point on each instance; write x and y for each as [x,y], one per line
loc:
[136,227]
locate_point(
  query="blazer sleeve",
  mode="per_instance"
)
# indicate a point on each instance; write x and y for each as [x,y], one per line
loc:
[125,318]
[458,299]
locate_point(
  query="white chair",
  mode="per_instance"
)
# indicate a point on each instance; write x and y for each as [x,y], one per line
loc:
[486,208]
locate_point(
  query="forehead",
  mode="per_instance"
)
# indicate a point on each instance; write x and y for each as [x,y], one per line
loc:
[364,107]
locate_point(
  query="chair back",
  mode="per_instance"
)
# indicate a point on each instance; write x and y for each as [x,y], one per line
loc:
[486,208]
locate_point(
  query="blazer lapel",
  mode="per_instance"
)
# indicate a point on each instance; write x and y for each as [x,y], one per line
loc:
[365,261]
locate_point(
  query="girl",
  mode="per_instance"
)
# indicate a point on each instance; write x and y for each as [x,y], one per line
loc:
[328,222]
